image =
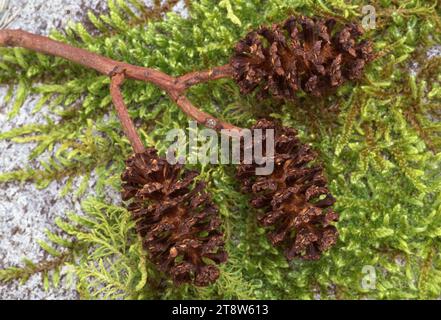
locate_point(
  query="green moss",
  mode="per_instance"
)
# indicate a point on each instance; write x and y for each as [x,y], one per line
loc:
[379,141]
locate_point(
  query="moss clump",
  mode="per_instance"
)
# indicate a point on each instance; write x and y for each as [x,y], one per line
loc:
[379,141]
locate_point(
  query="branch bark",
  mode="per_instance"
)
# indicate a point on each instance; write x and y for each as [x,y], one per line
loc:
[174,87]
[104,65]
[198,77]
[123,114]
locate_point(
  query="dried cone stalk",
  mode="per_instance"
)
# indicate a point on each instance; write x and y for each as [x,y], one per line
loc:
[178,222]
[300,54]
[295,198]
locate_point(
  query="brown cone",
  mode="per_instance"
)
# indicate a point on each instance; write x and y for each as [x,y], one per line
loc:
[303,53]
[178,222]
[295,197]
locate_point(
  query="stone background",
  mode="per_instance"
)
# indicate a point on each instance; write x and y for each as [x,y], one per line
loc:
[25,211]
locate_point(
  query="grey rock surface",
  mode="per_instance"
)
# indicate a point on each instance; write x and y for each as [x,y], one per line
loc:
[25,211]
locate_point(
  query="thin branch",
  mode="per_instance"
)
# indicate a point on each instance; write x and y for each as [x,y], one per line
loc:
[202,117]
[123,114]
[197,77]
[104,65]
[175,87]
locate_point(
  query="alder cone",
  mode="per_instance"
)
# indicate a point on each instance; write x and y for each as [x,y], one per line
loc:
[302,53]
[295,198]
[179,224]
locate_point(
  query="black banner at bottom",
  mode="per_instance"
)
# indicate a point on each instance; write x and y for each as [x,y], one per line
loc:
[195,309]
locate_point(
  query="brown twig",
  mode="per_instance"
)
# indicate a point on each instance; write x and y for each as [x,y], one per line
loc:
[201,117]
[123,114]
[194,78]
[104,65]
[118,71]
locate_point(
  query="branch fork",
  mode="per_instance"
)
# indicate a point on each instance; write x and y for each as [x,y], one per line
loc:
[119,72]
